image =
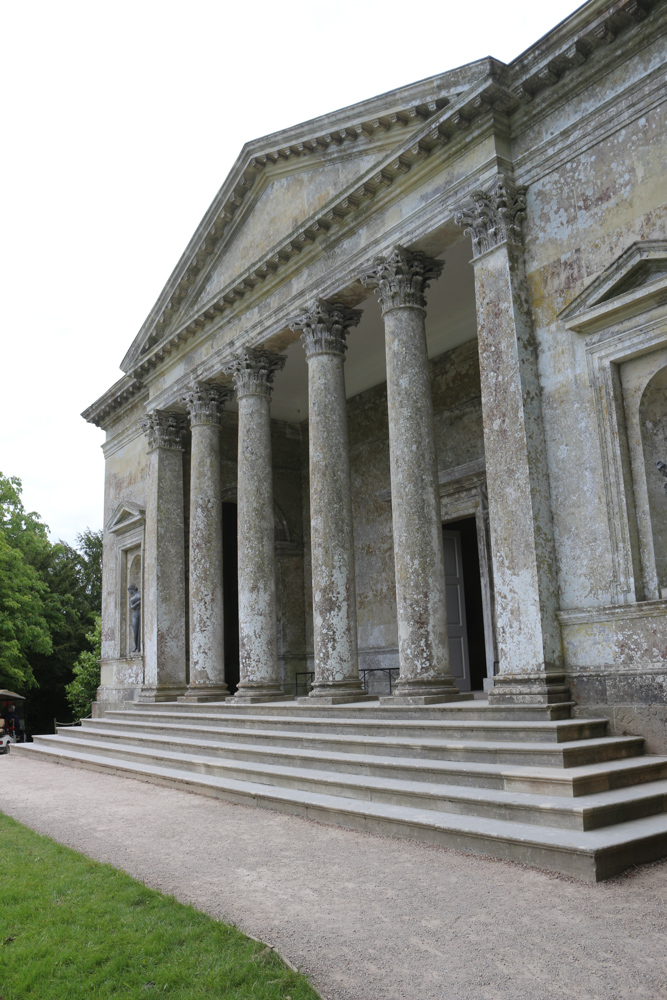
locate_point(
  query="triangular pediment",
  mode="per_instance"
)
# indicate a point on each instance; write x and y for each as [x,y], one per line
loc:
[268,208]
[283,203]
[127,515]
[633,283]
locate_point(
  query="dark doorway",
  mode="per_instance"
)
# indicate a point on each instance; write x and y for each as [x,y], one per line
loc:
[472,590]
[230,584]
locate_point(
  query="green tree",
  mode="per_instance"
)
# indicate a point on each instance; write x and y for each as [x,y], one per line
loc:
[69,585]
[89,544]
[24,630]
[81,691]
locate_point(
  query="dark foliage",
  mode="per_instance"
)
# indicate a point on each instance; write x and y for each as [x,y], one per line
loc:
[70,596]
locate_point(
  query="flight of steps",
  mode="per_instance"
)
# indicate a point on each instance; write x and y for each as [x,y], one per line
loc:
[525,783]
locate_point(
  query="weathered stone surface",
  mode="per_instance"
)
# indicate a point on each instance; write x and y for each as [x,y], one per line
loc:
[164,576]
[336,664]
[253,373]
[206,623]
[401,280]
[524,563]
[575,404]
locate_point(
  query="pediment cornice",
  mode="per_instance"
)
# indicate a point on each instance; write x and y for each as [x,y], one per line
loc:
[421,117]
[118,395]
[126,516]
[634,283]
[442,127]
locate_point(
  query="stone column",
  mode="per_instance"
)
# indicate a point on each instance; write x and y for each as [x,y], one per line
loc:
[520,520]
[204,404]
[401,279]
[325,329]
[253,372]
[164,569]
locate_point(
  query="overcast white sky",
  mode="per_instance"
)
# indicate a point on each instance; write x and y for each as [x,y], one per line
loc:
[119,122]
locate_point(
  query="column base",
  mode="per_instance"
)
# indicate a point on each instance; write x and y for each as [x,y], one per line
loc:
[424,692]
[252,694]
[544,687]
[341,693]
[205,692]
[171,692]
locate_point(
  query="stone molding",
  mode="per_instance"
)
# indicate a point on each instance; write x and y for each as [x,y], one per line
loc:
[164,429]
[204,402]
[494,216]
[401,278]
[471,474]
[325,327]
[253,371]
[612,613]
[126,516]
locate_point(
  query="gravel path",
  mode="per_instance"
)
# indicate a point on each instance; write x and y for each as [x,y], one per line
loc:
[368,917]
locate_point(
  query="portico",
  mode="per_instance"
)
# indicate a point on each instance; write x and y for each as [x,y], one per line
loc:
[386,464]
[379,334]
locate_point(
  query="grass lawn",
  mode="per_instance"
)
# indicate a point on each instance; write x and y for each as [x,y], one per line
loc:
[73,928]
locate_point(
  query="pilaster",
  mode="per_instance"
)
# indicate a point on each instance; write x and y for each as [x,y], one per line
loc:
[521,527]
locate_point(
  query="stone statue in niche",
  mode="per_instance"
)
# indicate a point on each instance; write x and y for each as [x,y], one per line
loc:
[662,469]
[135,607]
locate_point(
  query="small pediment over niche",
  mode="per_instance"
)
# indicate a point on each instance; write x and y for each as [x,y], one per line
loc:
[634,283]
[126,516]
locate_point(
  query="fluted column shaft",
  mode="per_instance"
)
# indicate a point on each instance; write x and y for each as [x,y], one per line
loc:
[332,539]
[164,569]
[207,666]
[253,372]
[401,279]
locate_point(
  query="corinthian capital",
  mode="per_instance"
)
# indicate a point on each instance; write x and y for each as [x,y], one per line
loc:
[325,326]
[164,429]
[204,402]
[402,277]
[253,371]
[494,216]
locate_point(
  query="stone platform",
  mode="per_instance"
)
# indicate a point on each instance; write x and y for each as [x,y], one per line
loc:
[523,783]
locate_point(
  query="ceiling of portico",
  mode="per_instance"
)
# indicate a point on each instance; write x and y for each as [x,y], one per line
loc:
[450,321]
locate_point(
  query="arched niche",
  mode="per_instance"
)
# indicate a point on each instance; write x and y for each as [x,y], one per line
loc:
[653,430]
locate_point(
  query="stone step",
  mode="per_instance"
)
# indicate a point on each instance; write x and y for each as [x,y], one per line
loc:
[573,781]
[512,730]
[584,813]
[576,753]
[589,854]
[473,710]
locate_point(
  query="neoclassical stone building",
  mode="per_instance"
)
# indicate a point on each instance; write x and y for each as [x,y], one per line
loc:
[400,410]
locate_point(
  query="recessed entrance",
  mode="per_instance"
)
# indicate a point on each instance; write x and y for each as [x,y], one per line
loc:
[230,584]
[465,612]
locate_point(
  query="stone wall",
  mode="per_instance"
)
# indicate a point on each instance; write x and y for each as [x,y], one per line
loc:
[595,197]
